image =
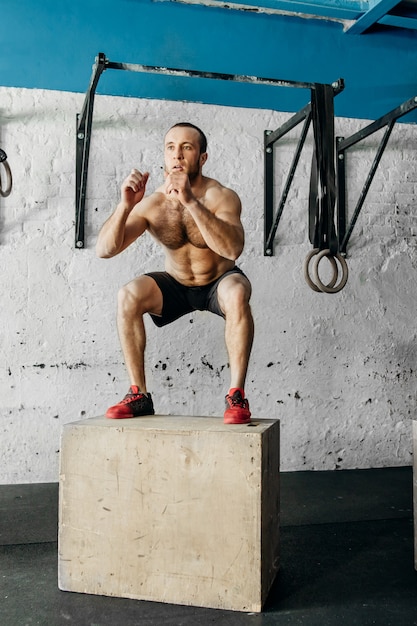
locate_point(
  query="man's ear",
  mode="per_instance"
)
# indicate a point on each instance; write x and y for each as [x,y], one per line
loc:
[203,158]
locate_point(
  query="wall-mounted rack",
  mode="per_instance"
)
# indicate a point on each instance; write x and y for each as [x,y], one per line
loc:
[344,229]
[84,119]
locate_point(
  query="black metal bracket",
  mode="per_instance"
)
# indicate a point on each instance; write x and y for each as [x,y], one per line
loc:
[342,145]
[271,222]
[84,123]
[5,191]
[270,137]
[84,119]
[344,230]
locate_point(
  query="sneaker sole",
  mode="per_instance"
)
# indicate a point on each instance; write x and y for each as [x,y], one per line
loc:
[127,417]
[228,420]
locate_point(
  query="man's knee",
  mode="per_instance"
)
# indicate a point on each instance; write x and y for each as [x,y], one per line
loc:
[235,296]
[131,297]
[127,299]
[137,297]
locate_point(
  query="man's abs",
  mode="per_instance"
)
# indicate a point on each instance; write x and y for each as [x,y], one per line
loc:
[195,267]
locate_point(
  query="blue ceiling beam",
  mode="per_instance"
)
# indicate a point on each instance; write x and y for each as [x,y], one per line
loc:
[399,21]
[364,14]
[376,11]
[333,9]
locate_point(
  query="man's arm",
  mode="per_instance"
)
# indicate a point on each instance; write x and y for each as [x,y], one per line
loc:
[218,220]
[126,223]
[220,224]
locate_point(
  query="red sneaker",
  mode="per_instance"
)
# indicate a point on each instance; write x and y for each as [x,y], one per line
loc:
[134,404]
[237,409]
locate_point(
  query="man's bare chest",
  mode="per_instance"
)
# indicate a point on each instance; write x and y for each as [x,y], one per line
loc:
[175,227]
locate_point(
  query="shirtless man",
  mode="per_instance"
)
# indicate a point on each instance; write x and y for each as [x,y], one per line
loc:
[196,220]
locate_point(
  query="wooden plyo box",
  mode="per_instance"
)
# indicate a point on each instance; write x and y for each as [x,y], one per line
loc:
[183,510]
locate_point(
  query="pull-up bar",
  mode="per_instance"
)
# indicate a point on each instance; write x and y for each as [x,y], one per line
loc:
[84,119]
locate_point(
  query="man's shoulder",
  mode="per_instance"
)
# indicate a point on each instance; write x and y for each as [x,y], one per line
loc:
[155,199]
[216,190]
[212,183]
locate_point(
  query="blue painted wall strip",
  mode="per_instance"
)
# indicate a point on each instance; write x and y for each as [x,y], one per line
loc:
[52,45]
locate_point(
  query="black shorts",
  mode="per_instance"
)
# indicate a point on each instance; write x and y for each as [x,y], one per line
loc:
[178,299]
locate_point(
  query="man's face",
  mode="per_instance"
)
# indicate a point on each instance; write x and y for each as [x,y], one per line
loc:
[182,152]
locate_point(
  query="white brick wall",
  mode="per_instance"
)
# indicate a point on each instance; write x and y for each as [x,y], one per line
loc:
[338,370]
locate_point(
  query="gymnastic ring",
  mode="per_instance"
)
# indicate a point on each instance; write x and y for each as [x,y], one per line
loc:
[343,265]
[307,277]
[5,192]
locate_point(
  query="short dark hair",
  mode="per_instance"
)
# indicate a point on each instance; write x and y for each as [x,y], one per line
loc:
[203,138]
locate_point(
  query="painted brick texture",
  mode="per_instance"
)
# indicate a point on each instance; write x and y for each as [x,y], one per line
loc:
[339,371]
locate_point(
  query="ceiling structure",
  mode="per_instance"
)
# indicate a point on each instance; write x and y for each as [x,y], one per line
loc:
[386,13]
[357,16]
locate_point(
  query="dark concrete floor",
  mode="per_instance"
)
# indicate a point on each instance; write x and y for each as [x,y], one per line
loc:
[347,557]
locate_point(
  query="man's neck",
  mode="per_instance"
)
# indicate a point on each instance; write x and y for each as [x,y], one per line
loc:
[199,183]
